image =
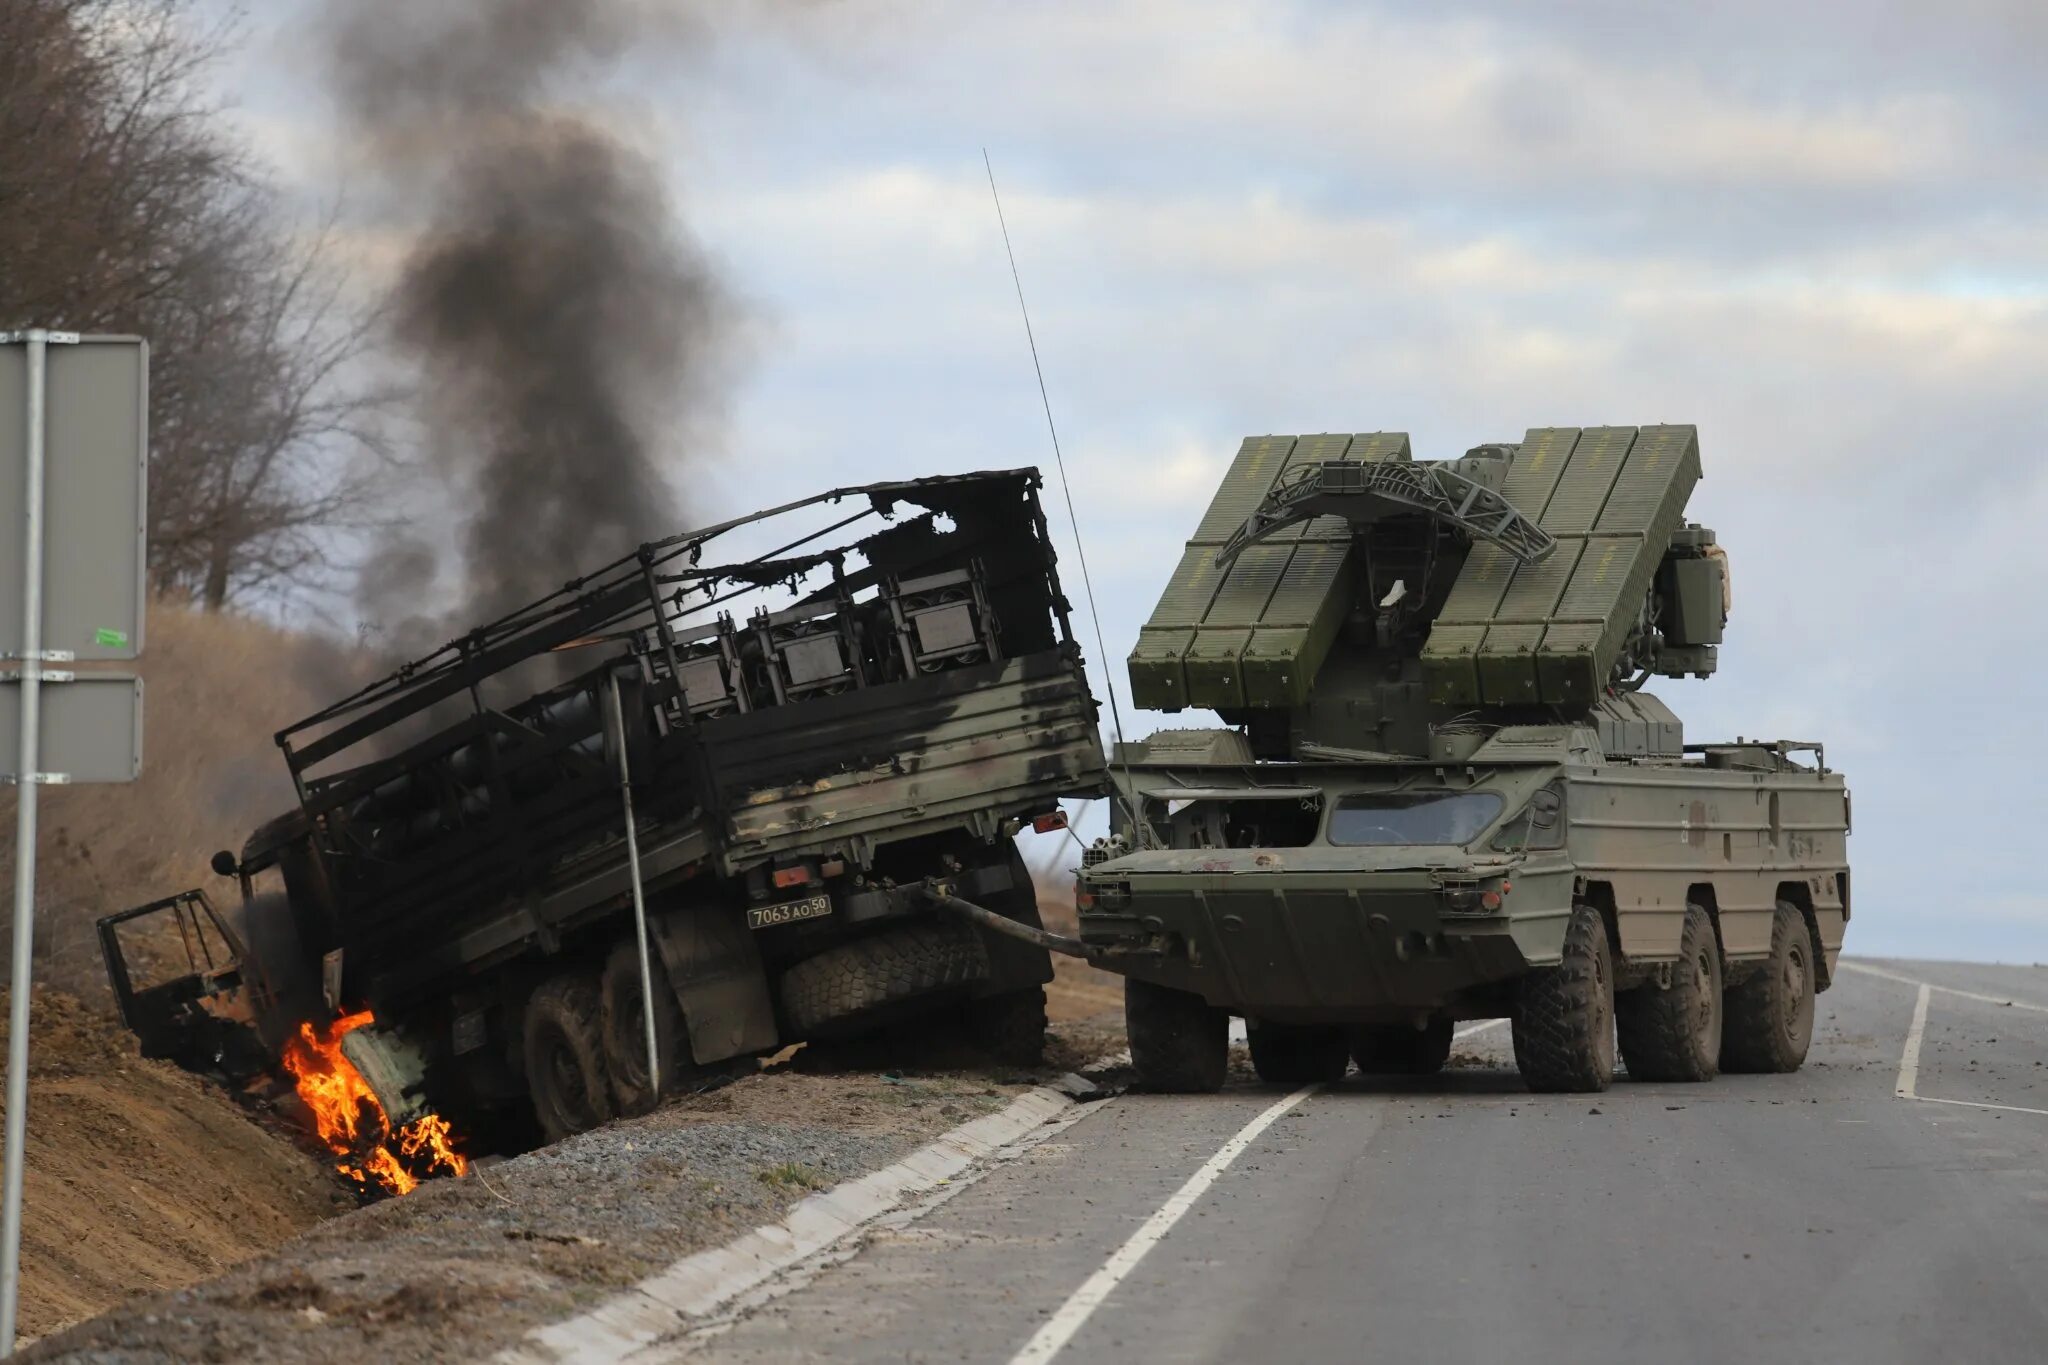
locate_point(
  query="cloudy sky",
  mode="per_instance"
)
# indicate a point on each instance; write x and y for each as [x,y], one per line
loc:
[1816,231]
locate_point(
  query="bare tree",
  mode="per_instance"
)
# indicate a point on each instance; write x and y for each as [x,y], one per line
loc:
[128,208]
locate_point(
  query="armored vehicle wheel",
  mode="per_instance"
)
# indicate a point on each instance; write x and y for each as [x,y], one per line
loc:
[565,1057]
[625,1031]
[863,985]
[1008,1028]
[1674,1033]
[1564,1018]
[1179,1041]
[1291,1054]
[1767,1022]
[1398,1050]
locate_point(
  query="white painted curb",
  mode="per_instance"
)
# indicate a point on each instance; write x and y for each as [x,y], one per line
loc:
[696,1286]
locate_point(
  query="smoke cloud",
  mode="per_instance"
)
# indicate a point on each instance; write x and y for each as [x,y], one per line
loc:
[563,325]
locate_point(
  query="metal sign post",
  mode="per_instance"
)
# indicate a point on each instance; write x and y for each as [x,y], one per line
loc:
[27,789]
[93,490]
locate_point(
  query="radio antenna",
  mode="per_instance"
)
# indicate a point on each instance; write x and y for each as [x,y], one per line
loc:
[1066,487]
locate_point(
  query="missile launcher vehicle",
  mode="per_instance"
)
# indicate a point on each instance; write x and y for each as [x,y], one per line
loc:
[1442,793]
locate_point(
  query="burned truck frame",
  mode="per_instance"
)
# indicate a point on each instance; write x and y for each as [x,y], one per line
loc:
[800,787]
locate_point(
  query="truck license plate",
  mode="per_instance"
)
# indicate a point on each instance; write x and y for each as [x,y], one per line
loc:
[768,916]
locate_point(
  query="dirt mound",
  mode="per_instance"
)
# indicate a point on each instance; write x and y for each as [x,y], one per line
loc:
[139,1177]
[216,689]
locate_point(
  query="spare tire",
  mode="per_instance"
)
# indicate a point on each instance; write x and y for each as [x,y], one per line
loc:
[862,985]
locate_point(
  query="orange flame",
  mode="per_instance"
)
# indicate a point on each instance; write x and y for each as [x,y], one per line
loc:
[353,1124]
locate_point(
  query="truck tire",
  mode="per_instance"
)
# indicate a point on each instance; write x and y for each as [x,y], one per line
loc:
[1564,1015]
[625,1031]
[1294,1054]
[1180,1043]
[1674,1033]
[1009,1028]
[564,1043]
[1767,1020]
[1398,1050]
[858,986]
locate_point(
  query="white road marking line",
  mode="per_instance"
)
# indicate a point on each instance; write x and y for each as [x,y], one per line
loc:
[1909,1060]
[1478,1028]
[1945,990]
[1979,1104]
[1081,1305]
[1908,1087]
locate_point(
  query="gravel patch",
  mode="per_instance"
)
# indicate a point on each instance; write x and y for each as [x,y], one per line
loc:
[462,1268]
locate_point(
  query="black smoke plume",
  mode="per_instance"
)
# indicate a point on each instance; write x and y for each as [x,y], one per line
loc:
[564,328]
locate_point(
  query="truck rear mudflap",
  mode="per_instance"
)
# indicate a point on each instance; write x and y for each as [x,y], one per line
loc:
[1304,949]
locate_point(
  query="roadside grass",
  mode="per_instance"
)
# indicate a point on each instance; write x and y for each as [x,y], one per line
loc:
[792,1175]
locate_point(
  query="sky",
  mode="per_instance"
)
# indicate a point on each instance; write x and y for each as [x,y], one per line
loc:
[1815,231]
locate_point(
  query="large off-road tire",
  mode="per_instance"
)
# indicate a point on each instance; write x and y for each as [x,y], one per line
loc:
[1564,1016]
[865,984]
[625,1031]
[1673,1033]
[565,1072]
[1399,1050]
[1767,1020]
[1179,1042]
[1296,1054]
[1008,1028]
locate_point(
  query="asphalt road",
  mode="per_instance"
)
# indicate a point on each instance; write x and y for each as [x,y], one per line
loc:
[1819,1216]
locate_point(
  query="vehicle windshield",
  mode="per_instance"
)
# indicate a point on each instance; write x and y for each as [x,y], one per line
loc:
[1412,817]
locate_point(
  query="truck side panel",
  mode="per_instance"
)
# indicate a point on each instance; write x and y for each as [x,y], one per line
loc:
[1652,833]
[983,742]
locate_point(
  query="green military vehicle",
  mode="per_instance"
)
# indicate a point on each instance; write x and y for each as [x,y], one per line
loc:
[1442,795]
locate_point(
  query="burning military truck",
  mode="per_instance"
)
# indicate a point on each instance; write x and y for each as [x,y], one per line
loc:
[1443,794]
[793,793]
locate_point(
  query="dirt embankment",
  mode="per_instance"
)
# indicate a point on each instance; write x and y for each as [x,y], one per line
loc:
[140,1177]
[216,689]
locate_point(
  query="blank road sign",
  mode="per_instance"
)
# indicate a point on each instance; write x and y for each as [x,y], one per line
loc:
[95,468]
[92,728]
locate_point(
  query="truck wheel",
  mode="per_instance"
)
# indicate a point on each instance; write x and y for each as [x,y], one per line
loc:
[1008,1028]
[1291,1054]
[1674,1033]
[1179,1042]
[1564,1016]
[1398,1050]
[864,984]
[625,1031]
[1767,1022]
[565,1057]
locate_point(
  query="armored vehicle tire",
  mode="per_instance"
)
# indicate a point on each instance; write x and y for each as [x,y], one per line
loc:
[1674,1033]
[1399,1050]
[1179,1042]
[565,1071]
[1008,1028]
[1294,1054]
[865,984]
[625,1030]
[1767,1020]
[1564,1015]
